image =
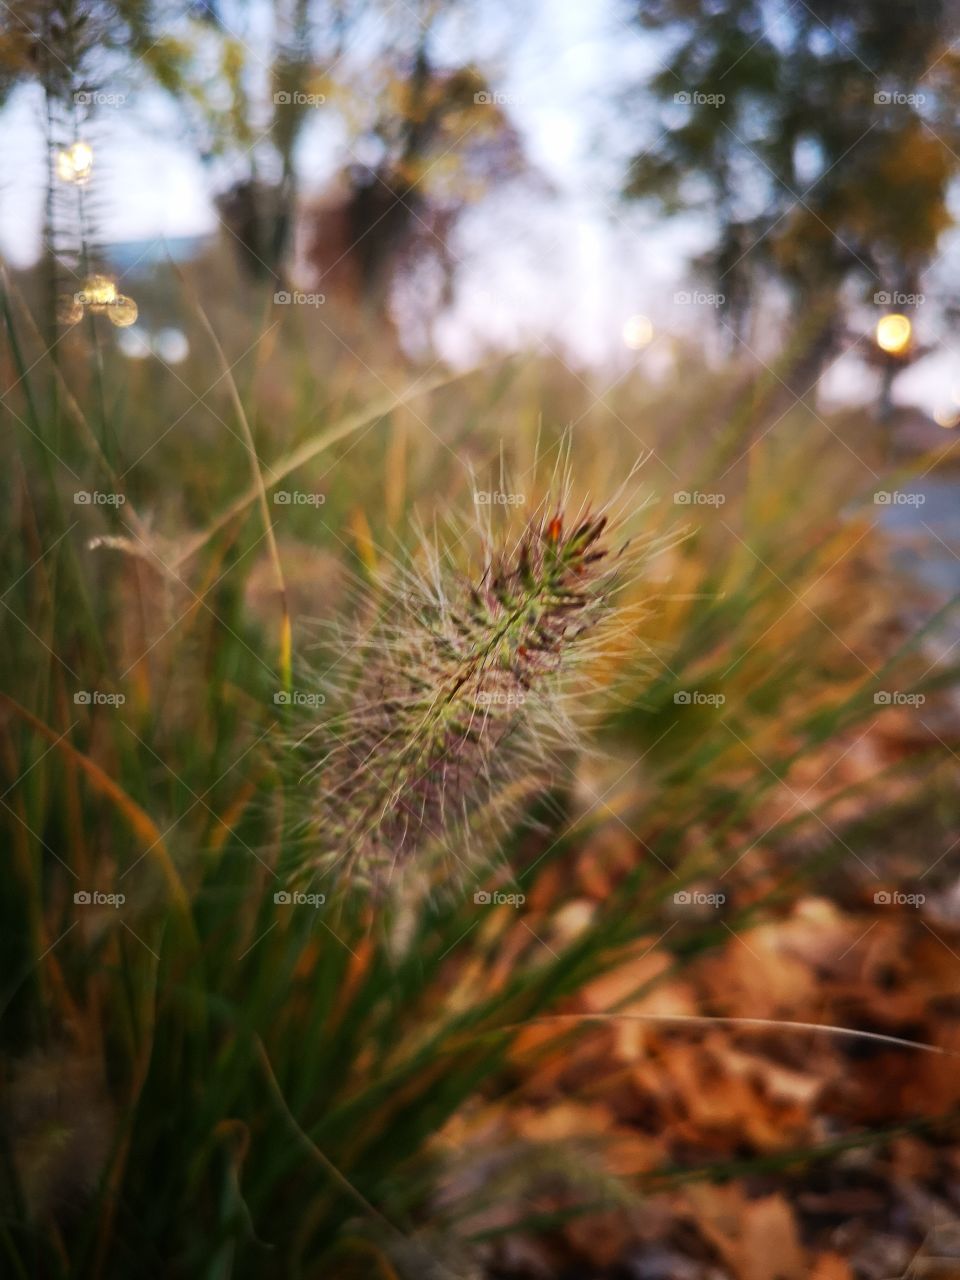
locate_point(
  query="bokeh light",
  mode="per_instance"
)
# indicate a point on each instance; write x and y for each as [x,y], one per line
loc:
[637,332]
[134,343]
[946,416]
[97,293]
[171,346]
[123,311]
[98,296]
[893,333]
[75,163]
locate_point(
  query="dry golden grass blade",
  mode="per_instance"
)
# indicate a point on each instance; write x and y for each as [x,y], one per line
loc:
[395,472]
[136,818]
[757,1024]
[310,449]
[286,656]
[363,539]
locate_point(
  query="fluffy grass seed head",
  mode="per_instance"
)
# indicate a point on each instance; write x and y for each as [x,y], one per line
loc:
[454,697]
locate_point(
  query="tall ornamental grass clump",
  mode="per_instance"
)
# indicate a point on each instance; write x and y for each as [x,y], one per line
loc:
[216,1078]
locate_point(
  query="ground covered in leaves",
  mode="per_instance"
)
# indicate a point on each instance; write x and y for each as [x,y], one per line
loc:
[760,1152]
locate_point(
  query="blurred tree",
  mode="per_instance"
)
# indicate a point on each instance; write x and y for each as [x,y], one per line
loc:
[423,139]
[819,141]
[442,142]
[421,135]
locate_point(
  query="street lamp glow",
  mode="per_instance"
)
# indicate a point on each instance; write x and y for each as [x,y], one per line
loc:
[637,332]
[893,334]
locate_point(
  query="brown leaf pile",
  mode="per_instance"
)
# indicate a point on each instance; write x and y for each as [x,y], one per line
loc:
[639,1095]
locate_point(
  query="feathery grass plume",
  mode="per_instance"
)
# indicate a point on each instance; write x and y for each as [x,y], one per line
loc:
[455,695]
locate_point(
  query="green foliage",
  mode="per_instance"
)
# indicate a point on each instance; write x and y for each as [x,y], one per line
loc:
[820,143]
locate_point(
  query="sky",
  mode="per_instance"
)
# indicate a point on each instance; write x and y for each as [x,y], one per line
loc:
[564,269]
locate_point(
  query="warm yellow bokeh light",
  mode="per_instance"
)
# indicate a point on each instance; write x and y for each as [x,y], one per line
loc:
[637,332]
[99,296]
[893,334]
[75,163]
[98,293]
[122,311]
[946,416]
